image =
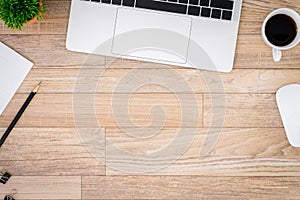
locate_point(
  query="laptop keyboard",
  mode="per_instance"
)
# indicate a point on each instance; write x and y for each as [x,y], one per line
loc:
[216,9]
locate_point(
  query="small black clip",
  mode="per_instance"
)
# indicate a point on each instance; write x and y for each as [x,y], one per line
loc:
[5,177]
[8,197]
[11,196]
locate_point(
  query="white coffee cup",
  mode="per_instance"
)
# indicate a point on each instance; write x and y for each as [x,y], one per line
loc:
[277,49]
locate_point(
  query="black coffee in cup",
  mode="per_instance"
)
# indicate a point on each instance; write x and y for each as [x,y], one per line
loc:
[281,30]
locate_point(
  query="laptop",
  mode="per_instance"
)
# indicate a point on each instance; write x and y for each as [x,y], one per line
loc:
[189,33]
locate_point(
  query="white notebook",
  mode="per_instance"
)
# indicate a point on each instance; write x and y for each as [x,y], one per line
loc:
[13,70]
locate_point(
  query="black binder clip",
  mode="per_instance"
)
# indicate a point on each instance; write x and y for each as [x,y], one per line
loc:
[5,177]
[11,196]
[8,197]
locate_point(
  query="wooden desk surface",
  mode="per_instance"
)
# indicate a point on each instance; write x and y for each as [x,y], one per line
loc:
[251,157]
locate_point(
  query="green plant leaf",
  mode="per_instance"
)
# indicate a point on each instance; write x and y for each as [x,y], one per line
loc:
[15,13]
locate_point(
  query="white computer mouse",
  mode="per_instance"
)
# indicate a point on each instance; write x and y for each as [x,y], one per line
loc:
[288,101]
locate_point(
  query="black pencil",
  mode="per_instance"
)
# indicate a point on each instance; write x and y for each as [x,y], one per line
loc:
[18,116]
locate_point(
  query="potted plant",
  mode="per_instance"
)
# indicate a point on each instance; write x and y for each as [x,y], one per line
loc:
[17,13]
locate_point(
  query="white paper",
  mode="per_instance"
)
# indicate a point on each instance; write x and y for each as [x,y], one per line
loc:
[13,70]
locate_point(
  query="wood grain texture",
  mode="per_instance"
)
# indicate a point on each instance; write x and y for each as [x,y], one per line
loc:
[252,52]
[114,110]
[66,80]
[189,187]
[50,151]
[247,155]
[212,152]
[57,110]
[43,187]
[241,110]
[49,50]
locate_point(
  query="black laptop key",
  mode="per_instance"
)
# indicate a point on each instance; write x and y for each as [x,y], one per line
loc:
[204,2]
[128,3]
[224,4]
[116,2]
[205,12]
[194,10]
[95,0]
[161,6]
[216,14]
[226,15]
[183,1]
[194,2]
[106,1]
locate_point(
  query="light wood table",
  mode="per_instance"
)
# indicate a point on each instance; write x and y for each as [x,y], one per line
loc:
[250,156]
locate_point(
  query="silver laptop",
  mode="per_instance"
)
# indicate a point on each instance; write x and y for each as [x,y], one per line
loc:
[190,33]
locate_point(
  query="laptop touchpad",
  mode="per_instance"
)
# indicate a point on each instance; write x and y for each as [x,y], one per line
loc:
[151,35]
